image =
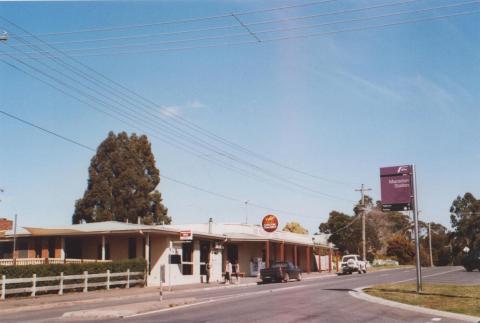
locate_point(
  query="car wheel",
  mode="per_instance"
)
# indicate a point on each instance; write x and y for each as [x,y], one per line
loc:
[467,268]
[299,277]
[286,277]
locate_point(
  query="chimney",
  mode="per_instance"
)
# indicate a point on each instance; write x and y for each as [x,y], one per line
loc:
[5,224]
[210,222]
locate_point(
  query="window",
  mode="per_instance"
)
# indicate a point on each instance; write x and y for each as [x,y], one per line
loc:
[187,263]
[132,248]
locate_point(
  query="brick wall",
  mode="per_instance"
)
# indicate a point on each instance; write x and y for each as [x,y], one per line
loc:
[5,224]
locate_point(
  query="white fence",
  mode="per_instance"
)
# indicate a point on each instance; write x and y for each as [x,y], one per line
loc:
[42,261]
[61,286]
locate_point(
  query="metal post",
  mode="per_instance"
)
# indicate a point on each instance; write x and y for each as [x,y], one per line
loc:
[430,243]
[128,278]
[417,240]
[14,254]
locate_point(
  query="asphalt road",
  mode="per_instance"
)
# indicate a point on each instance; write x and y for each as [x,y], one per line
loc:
[317,300]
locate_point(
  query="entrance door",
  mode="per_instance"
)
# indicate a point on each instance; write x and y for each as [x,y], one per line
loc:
[204,256]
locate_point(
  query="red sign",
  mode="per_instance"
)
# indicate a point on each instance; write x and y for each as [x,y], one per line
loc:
[397,188]
[270,223]
[186,235]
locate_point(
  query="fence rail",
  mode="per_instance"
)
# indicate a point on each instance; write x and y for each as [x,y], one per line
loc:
[43,261]
[61,286]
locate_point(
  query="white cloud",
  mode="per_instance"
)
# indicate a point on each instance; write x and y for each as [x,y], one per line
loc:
[170,111]
[195,104]
[176,110]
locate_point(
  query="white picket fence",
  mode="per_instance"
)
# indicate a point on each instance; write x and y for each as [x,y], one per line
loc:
[61,286]
[43,261]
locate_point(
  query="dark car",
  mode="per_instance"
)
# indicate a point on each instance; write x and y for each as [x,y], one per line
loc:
[472,260]
[281,271]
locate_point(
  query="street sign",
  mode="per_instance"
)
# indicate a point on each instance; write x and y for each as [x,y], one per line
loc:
[270,223]
[396,188]
[186,235]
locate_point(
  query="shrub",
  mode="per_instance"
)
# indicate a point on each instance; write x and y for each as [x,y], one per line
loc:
[73,269]
[135,265]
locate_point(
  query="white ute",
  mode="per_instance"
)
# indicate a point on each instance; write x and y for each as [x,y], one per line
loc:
[352,263]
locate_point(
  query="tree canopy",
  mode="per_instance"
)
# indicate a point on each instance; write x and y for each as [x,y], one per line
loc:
[122,183]
[295,227]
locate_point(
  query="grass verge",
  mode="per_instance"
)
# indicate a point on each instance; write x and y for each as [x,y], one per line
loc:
[452,298]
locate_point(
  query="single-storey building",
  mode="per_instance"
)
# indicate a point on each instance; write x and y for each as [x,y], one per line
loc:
[175,254]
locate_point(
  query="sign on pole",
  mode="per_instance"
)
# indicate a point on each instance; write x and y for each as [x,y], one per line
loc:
[397,188]
[399,193]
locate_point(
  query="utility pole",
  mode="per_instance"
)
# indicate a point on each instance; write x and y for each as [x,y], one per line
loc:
[430,243]
[362,191]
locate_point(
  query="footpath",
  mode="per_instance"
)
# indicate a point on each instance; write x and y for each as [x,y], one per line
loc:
[107,300]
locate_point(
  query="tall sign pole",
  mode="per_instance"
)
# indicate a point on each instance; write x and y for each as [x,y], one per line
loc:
[362,191]
[399,193]
[417,238]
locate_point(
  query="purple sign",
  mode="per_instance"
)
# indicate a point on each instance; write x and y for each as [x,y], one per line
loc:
[397,188]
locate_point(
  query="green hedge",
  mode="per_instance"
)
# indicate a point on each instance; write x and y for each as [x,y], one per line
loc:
[73,269]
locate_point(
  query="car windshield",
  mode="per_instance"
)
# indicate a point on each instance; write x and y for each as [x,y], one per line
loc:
[348,258]
[279,265]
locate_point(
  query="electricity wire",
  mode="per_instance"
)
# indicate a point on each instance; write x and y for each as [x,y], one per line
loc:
[163,176]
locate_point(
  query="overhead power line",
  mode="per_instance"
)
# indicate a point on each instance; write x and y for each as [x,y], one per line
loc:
[189,124]
[282,38]
[184,21]
[256,34]
[235,26]
[198,188]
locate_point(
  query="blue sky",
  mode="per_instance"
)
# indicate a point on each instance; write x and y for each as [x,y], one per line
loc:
[337,106]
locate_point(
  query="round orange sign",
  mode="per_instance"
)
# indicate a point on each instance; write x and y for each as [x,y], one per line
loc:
[270,223]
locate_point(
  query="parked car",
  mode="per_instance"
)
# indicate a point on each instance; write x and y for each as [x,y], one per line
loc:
[281,271]
[351,264]
[472,260]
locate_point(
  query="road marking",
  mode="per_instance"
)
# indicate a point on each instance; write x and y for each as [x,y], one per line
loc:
[217,299]
[432,275]
[436,319]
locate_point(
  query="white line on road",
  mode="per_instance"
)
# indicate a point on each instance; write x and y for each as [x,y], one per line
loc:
[432,275]
[221,298]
